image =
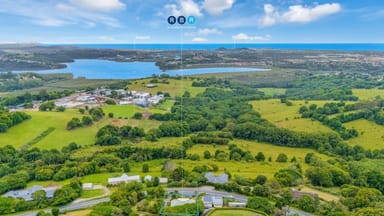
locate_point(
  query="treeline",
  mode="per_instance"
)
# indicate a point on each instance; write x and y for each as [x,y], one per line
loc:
[27,98]
[320,114]
[18,167]
[322,142]
[212,81]
[328,87]
[112,135]
[95,114]
[8,120]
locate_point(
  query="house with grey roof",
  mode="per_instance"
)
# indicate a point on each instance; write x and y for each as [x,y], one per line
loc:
[212,201]
[221,179]
[217,201]
[123,179]
[26,194]
[207,201]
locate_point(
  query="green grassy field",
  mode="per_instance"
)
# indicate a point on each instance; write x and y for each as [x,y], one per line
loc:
[233,212]
[250,169]
[322,195]
[368,94]
[273,91]
[92,193]
[77,213]
[23,133]
[174,88]
[129,110]
[288,116]
[371,135]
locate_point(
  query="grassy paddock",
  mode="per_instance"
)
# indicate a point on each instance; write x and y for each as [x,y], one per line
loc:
[235,211]
[250,169]
[271,92]
[288,116]
[368,94]
[92,193]
[322,195]
[371,135]
[174,88]
[77,213]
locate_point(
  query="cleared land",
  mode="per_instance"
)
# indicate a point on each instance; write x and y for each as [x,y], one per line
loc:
[174,87]
[322,195]
[371,135]
[232,212]
[271,92]
[92,193]
[249,169]
[23,133]
[368,94]
[288,116]
[129,110]
[78,213]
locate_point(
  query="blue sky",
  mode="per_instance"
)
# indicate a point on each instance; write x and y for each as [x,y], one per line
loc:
[218,21]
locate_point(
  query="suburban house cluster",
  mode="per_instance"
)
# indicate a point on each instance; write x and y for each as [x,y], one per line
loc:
[99,96]
[135,178]
[140,98]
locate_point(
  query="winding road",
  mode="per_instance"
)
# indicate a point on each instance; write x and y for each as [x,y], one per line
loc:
[89,203]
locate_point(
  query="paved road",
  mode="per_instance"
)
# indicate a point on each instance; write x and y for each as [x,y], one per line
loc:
[69,207]
[210,191]
[83,205]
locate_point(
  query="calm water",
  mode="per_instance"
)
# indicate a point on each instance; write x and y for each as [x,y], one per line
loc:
[103,69]
[296,46]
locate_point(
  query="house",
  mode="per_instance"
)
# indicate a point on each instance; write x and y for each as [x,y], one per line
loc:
[212,201]
[182,201]
[87,186]
[217,202]
[296,194]
[26,194]
[221,179]
[163,180]
[123,179]
[207,201]
[148,178]
[237,204]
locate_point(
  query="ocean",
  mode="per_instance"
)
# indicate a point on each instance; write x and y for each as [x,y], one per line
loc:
[204,46]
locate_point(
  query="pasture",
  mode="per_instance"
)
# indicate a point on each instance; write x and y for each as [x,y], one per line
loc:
[368,94]
[288,116]
[174,87]
[272,92]
[371,135]
[234,211]
[77,213]
[25,132]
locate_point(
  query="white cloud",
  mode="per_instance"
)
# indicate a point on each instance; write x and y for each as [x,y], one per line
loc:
[297,14]
[245,37]
[216,7]
[185,8]
[207,31]
[56,15]
[106,38]
[199,40]
[142,37]
[99,5]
